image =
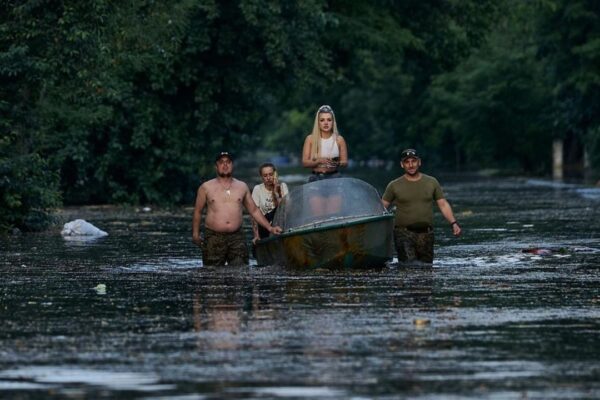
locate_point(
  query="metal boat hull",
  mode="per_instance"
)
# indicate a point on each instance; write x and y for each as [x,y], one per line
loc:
[359,243]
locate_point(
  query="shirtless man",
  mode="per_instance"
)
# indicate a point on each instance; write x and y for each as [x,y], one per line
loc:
[223,197]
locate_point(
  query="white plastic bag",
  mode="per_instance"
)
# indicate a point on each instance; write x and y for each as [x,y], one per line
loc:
[81,227]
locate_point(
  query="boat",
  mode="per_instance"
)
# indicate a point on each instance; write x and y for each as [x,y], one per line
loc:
[330,223]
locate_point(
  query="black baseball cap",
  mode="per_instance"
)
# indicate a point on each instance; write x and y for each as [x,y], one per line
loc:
[409,153]
[224,154]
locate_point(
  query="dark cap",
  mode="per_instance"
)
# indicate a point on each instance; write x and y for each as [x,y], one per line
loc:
[224,154]
[408,153]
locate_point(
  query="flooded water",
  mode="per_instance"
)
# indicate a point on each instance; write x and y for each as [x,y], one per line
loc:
[135,315]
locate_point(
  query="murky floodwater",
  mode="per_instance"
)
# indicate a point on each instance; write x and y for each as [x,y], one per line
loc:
[486,321]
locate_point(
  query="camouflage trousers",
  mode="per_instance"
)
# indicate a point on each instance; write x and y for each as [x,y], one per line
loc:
[221,248]
[413,246]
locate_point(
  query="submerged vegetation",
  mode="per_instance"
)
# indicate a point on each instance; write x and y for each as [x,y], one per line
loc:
[107,102]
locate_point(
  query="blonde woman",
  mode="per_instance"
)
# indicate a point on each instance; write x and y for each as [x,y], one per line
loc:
[324,152]
[324,149]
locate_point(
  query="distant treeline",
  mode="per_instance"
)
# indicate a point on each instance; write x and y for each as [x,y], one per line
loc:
[127,101]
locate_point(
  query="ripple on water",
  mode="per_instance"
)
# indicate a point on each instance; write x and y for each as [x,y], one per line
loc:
[61,375]
[589,193]
[304,392]
[166,265]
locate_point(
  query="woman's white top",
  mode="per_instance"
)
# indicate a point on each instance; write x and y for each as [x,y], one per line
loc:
[329,147]
[263,198]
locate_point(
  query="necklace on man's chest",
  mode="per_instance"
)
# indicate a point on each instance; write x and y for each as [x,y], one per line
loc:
[227,189]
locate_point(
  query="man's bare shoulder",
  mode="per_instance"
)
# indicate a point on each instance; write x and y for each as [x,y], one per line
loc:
[240,184]
[208,184]
[205,188]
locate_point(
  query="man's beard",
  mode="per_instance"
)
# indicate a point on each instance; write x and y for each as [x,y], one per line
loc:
[224,174]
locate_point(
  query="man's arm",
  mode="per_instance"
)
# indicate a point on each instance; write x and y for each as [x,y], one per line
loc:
[255,199]
[388,196]
[197,219]
[446,210]
[257,215]
[255,236]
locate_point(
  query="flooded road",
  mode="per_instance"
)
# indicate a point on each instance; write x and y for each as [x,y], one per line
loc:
[135,315]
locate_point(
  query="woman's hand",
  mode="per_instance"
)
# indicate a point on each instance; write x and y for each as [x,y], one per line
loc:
[331,164]
[325,163]
[335,162]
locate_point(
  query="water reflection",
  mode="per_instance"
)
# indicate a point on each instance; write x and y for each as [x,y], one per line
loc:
[81,240]
[509,310]
[225,308]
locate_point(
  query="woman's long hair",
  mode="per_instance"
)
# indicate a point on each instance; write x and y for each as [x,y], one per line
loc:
[315,150]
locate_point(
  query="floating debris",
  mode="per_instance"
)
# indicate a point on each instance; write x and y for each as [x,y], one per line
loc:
[81,227]
[544,251]
[421,322]
[100,288]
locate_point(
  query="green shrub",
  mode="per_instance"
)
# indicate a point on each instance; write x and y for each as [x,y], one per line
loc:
[28,193]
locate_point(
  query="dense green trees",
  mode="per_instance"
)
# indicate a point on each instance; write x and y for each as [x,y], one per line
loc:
[129,100]
[534,80]
[472,84]
[492,110]
[569,48]
[104,101]
[384,56]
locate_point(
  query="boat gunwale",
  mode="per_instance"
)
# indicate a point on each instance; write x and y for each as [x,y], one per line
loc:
[318,227]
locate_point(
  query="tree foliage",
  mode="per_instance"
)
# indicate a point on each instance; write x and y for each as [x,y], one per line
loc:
[129,100]
[481,112]
[385,54]
[175,83]
[104,101]
[569,48]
